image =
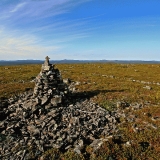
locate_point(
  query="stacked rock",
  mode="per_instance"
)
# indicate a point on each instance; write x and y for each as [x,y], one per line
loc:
[48,118]
[49,85]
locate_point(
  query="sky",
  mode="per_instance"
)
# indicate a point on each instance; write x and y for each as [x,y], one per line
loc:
[80,29]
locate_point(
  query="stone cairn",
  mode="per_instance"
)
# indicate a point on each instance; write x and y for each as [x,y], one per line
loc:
[49,118]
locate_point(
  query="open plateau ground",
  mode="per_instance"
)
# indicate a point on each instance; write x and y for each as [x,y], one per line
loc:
[134,89]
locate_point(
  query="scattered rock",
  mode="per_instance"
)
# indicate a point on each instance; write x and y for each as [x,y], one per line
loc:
[52,116]
[148,87]
[122,104]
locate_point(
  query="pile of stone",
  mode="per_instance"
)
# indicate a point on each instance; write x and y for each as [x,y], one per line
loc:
[49,117]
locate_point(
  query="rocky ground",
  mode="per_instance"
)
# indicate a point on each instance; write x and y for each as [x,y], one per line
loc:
[55,115]
[52,116]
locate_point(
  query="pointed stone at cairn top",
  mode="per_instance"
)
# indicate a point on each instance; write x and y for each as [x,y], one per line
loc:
[46,62]
[46,66]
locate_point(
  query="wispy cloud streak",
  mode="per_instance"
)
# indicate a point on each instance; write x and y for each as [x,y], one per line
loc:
[25,27]
[22,47]
[39,8]
[20,5]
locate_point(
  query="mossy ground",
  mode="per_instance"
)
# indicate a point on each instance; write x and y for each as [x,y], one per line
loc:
[107,84]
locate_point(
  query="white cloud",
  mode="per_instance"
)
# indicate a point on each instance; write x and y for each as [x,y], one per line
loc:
[26,34]
[22,47]
[38,8]
[17,7]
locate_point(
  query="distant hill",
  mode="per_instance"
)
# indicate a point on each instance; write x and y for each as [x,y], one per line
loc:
[21,62]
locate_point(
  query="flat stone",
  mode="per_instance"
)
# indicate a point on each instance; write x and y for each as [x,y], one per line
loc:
[96,144]
[33,130]
[45,68]
[44,100]
[56,99]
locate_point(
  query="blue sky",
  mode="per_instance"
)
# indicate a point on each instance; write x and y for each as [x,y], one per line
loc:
[84,29]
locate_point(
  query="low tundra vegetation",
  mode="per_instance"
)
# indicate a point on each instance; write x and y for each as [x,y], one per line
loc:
[139,131]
